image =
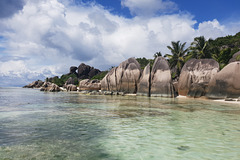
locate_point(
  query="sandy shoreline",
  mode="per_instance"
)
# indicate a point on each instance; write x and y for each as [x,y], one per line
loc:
[215,100]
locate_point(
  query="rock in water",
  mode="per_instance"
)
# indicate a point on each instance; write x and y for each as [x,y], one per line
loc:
[196,72]
[144,84]
[89,85]
[71,87]
[128,73]
[161,80]
[35,84]
[123,78]
[51,87]
[226,83]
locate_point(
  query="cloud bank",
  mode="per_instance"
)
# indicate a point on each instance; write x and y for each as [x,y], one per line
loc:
[46,37]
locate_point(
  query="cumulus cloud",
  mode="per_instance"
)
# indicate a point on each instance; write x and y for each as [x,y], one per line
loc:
[47,37]
[149,7]
[10,7]
[212,29]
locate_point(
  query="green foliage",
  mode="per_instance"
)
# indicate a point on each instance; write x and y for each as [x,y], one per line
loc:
[177,59]
[144,62]
[157,54]
[61,81]
[200,48]
[100,76]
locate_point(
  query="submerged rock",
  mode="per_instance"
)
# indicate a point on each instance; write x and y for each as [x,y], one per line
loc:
[196,73]
[34,84]
[226,83]
[161,80]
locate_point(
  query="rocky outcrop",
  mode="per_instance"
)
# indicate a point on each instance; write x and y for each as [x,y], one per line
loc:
[73,69]
[196,73]
[161,81]
[51,87]
[86,71]
[226,83]
[144,83]
[128,74]
[71,87]
[124,78]
[235,57]
[108,83]
[89,85]
[34,84]
[71,81]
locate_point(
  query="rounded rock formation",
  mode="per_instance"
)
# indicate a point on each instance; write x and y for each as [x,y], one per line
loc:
[196,71]
[161,80]
[89,85]
[144,84]
[226,83]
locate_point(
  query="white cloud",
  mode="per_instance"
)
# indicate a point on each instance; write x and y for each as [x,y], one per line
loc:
[212,29]
[149,7]
[47,37]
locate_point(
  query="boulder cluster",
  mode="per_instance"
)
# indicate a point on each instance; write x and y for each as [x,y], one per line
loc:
[129,78]
[198,78]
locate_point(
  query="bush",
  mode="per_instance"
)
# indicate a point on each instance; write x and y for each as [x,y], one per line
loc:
[100,75]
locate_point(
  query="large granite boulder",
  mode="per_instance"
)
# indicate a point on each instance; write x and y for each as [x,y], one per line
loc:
[108,83]
[34,84]
[144,83]
[196,71]
[235,57]
[51,87]
[161,80]
[86,71]
[124,78]
[71,87]
[89,85]
[226,83]
[128,74]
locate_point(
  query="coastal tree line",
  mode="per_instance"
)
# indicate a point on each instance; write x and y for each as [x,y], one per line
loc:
[220,49]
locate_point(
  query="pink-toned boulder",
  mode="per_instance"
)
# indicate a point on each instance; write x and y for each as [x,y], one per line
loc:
[161,80]
[144,84]
[89,85]
[196,73]
[226,83]
[123,78]
[51,87]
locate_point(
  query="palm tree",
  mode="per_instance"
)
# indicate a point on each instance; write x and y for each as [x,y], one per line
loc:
[200,48]
[177,59]
[157,54]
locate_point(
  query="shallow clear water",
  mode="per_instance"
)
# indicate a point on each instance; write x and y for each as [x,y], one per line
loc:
[38,125]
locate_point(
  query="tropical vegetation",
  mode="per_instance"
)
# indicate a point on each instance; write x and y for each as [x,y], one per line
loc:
[221,49]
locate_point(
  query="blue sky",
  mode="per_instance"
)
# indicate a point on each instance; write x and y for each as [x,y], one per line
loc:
[40,39]
[204,10]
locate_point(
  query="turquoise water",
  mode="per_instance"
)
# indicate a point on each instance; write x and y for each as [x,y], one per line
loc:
[38,125]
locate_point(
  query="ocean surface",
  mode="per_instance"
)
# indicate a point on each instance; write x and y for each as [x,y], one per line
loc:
[57,126]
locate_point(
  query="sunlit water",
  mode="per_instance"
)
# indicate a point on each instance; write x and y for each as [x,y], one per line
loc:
[38,125]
